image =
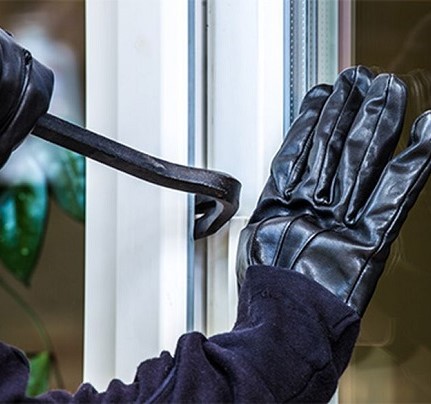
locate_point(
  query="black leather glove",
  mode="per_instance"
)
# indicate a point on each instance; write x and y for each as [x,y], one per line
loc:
[335,200]
[25,93]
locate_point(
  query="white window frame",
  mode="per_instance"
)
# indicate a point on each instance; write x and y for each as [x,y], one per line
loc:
[139,283]
[136,233]
[245,124]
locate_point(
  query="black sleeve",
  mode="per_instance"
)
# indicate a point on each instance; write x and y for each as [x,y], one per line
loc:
[291,342]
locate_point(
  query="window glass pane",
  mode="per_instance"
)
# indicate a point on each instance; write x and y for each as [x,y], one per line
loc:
[310,50]
[392,361]
[47,313]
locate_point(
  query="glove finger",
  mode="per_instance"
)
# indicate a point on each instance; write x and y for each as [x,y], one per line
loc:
[399,186]
[312,97]
[335,121]
[294,150]
[370,144]
[291,153]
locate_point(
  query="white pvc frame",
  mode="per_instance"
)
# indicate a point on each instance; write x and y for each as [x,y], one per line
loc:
[245,124]
[135,297]
[136,233]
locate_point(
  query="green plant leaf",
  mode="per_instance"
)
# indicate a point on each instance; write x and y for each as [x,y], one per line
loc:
[40,368]
[68,185]
[65,172]
[23,213]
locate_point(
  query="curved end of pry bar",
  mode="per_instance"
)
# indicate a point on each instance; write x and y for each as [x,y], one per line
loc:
[212,213]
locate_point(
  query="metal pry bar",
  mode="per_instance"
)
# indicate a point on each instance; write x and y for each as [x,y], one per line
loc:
[217,194]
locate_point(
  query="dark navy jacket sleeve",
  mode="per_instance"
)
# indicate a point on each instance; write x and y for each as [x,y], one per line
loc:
[291,342]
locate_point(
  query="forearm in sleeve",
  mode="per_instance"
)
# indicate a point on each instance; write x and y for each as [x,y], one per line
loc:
[291,342]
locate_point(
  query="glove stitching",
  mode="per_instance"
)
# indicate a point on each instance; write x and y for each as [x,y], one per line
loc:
[298,166]
[253,238]
[296,171]
[351,221]
[282,239]
[308,243]
[331,135]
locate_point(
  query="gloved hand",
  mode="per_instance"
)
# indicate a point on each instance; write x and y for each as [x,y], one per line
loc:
[25,91]
[335,200]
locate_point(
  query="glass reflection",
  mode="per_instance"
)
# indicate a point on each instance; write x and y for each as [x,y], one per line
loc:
[392,360]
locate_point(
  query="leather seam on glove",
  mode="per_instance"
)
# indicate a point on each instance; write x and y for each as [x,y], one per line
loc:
[296,172]
[352,221]
[307,243]
[282,239]
[328,141]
